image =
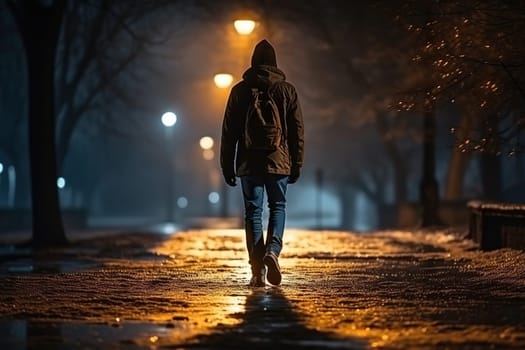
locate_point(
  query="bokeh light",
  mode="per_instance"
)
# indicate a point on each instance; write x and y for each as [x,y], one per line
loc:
[208,154]
[169,119]
[206,142]
[182,202]
[214,197]
[61,182]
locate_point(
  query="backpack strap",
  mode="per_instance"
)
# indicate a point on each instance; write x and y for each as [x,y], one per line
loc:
[256,97]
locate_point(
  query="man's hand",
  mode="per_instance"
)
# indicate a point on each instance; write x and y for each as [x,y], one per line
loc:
[230,179]
[295,173]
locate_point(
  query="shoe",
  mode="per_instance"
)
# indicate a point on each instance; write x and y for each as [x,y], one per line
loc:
[258,278]
[274,271]
[257,281]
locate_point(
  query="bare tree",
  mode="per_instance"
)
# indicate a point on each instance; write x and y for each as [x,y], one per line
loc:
[101,48]
[13,150]
[39,25]
[80,50]
[477,62]
[367,52]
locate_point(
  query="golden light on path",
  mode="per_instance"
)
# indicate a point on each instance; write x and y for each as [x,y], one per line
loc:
[244,26]
[223,80]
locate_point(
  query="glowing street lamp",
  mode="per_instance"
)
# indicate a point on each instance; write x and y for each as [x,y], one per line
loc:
[223,80]
[214,197]
[61,182]
[244,26]
[169,119]
[182,202]
[206,144]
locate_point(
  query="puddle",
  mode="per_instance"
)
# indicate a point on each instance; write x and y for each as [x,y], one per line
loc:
[21,334]
[22,266]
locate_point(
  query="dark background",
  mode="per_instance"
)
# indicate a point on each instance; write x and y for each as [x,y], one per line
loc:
[367,74]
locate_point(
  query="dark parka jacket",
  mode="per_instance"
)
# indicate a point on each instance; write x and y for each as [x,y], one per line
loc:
[235,158]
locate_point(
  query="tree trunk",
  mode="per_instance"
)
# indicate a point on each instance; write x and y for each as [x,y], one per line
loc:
[490,164]
[347,197]
[399,172]
[456,173]
[40,28]
[429,192]
[457,165]
[396,158]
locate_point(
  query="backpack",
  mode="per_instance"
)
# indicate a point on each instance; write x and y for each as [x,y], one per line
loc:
[262,128]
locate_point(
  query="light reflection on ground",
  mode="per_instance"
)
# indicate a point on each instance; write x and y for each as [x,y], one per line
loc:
[392,289]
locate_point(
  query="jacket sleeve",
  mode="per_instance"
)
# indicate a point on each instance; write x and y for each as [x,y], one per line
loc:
[230,135]
[295,130]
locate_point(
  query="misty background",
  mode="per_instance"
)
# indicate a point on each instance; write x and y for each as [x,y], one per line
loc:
[121,66]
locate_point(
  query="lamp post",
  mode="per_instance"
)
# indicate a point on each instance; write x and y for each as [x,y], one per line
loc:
[206,143]
[223,81]
[429,189]
[169,119]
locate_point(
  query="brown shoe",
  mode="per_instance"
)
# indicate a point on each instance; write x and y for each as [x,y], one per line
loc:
[257,281]
[274,271]
[258,278]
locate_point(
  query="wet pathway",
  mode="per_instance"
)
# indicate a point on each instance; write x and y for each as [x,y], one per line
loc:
[341,290]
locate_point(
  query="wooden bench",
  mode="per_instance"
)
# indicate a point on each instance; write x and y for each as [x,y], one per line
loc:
[495,225]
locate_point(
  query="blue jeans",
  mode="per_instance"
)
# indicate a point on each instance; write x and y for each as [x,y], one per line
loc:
[253,188]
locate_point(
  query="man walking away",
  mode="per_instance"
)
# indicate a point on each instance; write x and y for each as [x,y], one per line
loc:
[262,143]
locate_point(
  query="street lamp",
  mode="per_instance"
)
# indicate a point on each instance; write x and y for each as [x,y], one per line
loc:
[65,192]
[206,143]
[244,26]
[169,119]
[223,80]
[61,182]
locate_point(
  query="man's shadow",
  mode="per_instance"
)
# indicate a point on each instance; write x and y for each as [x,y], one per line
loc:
[270,321]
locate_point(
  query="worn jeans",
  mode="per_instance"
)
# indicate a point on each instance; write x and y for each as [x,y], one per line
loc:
[253,189]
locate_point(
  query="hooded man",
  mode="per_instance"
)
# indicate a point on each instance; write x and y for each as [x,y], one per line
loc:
[263,171]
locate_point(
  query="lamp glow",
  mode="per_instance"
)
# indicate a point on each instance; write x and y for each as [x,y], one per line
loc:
[223,80]
[208,154]
[169,119]
[206,142]
[182,202]
[213,197]
[61,182]
[244,26]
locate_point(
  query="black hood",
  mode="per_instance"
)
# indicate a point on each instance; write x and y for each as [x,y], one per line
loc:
[264,54]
